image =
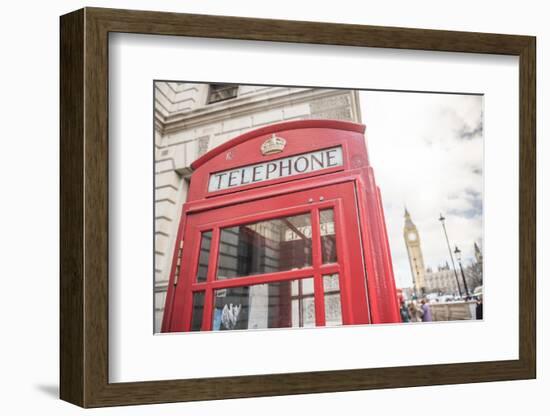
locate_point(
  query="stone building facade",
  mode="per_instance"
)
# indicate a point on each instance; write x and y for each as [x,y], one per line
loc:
[191,119]
[443,280]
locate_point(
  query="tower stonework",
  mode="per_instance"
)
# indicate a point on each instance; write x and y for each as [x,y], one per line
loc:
[414,250]
[478,254]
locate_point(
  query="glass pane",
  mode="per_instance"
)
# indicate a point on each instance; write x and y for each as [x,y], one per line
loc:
[265,247]
[204,256]
[333,306]
[198,306]
[221,92]
[328,236]
[288,304]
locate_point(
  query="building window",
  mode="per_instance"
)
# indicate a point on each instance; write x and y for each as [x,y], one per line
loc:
[221,92]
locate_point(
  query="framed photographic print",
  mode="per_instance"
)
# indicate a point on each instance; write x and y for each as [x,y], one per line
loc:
[255,207]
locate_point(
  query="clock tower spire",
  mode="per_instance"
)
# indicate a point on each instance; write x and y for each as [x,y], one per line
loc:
[414,250]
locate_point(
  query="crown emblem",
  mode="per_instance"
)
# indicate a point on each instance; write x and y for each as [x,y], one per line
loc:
[273,145]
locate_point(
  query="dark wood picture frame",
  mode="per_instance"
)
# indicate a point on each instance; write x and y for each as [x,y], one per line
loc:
[84,207]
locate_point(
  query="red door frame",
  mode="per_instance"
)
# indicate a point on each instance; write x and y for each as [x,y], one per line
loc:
[373,294]
[345,217]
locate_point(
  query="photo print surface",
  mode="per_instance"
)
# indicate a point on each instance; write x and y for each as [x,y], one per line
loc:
[300,207]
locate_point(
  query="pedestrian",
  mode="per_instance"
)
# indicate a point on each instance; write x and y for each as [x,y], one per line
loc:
[479,307]
[404,312]
[415,313]
[426,311]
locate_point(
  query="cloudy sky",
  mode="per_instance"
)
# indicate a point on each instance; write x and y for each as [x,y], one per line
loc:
[427,155]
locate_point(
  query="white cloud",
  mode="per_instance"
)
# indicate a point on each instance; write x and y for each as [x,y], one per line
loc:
[427,154]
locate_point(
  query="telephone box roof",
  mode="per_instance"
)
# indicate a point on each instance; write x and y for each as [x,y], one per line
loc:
[274,128]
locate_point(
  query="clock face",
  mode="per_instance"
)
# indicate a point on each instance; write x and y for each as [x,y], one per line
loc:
[411,236]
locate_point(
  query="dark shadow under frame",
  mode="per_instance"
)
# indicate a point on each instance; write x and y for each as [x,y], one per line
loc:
[84,207]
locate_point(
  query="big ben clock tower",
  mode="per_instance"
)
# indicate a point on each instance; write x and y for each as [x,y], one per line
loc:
[416,260]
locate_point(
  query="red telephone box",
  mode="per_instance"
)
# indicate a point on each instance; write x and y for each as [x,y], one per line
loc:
[283,227]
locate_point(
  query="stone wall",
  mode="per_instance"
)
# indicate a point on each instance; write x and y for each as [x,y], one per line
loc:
[453,311]
[441,281]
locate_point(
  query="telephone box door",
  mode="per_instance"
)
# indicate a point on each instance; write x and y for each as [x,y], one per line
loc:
[292,260]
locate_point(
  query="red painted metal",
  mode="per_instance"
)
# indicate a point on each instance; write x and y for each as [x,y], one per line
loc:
[275,128]
[367,285]
[317,263]
[167,316]
[267,277]
[388,264]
